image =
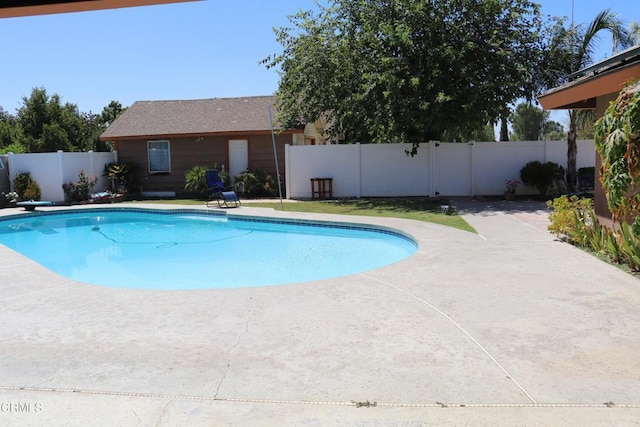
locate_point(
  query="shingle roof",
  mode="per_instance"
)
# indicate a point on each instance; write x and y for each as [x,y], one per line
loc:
[200,116]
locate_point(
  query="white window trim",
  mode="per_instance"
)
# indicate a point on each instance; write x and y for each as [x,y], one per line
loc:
[168,155]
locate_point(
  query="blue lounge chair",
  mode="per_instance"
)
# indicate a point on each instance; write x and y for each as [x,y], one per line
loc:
[224,196]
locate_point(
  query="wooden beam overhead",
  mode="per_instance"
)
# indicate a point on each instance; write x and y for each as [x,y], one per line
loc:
[17,8]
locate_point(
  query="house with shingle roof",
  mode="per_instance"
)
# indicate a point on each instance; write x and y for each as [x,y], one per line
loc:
[167,138]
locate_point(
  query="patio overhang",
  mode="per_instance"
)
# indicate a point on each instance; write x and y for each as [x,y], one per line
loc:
[16,8]
[593,88]
[581,94]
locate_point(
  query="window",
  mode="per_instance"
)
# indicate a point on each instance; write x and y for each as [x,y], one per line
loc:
[159,158]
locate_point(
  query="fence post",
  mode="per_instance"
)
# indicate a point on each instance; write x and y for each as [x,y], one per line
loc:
[92,163]
[61,170]
[358,149]
[10,170]
[434,162]
[429,169]
[287,170]
[472,172]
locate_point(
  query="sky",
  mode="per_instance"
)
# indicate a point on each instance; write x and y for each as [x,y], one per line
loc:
[192,50]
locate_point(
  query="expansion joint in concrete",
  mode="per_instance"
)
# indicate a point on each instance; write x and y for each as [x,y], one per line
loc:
[234,346]
[460,328]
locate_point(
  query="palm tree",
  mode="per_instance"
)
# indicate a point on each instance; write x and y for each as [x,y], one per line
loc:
[634,33]
[581,43]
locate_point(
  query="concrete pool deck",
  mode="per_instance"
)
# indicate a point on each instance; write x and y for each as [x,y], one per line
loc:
[506,327]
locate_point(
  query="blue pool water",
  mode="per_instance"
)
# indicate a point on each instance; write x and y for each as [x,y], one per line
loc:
[148,249]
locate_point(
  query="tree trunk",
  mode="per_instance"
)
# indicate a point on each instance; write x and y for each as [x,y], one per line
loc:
[504,130]
[572,151]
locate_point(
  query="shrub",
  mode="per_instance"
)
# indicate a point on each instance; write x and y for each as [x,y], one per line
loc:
[32,192]
[122,175]
[255,183]
[21,182]
[563,218]
[541,175]
[196,180]
[26,187]
[574,219]
[224,176]
[629,245]
[589,233]
[81,190]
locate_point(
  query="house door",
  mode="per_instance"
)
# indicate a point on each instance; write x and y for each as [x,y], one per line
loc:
[238,156]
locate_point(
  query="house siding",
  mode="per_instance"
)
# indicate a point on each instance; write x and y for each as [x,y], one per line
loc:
[188,152]
[261,153]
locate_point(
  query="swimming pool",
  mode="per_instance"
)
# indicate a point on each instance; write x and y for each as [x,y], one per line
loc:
[189,249]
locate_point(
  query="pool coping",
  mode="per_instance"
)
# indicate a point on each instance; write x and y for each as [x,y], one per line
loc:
[265,218]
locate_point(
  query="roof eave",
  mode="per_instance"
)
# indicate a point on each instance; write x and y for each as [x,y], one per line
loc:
[197,134]
[582,93]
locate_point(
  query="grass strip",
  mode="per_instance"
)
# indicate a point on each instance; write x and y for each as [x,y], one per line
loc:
[417,208]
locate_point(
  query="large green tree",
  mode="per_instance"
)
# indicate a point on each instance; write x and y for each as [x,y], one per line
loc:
[111,112]
[553,131]
[578,43]
[10,134]
[45,124]
[527,122]
[407,70]
[531,123]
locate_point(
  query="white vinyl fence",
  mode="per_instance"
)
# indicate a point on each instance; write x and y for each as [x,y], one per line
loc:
[446,169]
[51,170]
[5,186]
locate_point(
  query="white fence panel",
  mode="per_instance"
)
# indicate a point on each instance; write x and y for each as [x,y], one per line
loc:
[447,169]
[91,163]
[51,170]
[586,155]
[557,153]
[44,169]
[452,168]
[388,171]
[340,162]
[495,162]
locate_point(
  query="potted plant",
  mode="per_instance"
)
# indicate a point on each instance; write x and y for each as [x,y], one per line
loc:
[117,173]
[510,190]
[12,198]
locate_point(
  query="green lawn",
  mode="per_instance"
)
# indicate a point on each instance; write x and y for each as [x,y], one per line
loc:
[417,208]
